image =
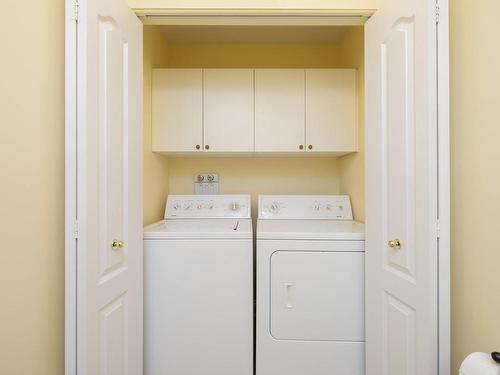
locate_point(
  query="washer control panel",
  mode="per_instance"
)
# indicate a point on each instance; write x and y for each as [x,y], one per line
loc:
[207,206]
[314,207]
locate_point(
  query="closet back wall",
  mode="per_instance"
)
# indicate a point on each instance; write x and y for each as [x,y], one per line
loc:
[256,175]
[155,166]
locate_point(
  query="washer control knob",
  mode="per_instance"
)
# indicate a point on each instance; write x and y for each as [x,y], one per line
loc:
[275,207]
[188,206]
[329,206]
[210,205]
[317,206]
[176,206]
[234,206]
[199,206]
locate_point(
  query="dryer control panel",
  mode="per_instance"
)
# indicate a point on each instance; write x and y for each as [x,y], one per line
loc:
[304,207]
[208,206]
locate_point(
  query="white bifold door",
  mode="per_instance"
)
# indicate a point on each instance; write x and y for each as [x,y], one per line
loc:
[401,190]
[106,133]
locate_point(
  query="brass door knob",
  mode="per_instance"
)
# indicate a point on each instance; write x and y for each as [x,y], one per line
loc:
[394,244]
[310,147]
[117,244]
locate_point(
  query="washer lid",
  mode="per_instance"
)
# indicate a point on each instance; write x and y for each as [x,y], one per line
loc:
[310,230]
[199,229]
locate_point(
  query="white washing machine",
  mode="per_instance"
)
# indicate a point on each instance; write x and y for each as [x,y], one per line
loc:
[198,287]
[310,287]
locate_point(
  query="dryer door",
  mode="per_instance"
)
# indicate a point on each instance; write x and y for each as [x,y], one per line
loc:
[317,296]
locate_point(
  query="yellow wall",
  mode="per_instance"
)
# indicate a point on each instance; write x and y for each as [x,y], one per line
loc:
[155,166]
[352,167]
[32,183]
[32,188]
[475,158]
[257,175]
[253,55]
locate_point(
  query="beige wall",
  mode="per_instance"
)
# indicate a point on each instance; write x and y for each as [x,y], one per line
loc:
[475,158]
[32,188]
[352,167]
[253,55]
[257,175]
[155,165]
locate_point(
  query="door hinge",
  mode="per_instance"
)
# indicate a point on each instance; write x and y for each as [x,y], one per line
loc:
[438,11]
[76,9]
[75,229]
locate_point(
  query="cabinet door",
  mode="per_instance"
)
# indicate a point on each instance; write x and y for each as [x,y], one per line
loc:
[177,110]
[331,110]
[279,110]
[228,110]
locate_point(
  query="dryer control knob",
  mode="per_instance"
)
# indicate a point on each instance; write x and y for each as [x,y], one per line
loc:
[275,207]
[235,206]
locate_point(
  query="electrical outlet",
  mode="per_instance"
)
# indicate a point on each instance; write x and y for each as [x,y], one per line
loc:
[206,183]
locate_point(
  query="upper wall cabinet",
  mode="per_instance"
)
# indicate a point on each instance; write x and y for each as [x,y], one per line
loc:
[228,110]
[177,110]
[279,110]
[231,111]
[331,110]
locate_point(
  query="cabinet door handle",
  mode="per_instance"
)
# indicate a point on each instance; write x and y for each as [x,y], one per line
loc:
[207,147]
[310,147]
[198,147]
[301,147]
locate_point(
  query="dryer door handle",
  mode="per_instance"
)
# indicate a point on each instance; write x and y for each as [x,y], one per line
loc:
[288,302]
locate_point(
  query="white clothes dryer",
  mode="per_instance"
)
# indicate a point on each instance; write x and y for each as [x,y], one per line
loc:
[310,287]
[198,287]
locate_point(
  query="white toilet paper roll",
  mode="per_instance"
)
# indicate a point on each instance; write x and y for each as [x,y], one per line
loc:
[479,364]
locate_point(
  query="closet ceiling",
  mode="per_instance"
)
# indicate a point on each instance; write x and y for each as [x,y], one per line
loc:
[254,34]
